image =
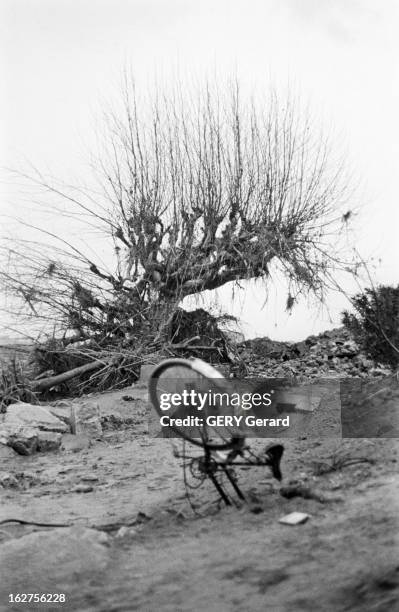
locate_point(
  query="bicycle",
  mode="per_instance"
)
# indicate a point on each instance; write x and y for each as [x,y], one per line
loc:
[224,449]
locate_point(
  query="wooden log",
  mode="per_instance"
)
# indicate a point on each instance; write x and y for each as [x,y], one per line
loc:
[46,383]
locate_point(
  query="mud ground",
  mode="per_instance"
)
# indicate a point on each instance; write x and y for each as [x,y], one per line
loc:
[158,555]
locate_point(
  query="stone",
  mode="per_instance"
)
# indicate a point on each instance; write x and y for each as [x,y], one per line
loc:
[86,419]
[89,478]
[74,444]
[6,452]
[124,532]
[63,413]
[48,441]
[234,337]
[379,371]
[42,559]
[82,488]
[8,481]
[24,440]
[33,416]
[294,518]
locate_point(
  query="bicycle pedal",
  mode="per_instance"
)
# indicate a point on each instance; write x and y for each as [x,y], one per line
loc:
[274,454]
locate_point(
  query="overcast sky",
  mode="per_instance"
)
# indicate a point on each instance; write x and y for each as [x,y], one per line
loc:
[61,58]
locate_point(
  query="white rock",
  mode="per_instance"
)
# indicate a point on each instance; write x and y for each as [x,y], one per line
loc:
[33,416]
[8,481]
[125,531]
[64,413]
[294,518]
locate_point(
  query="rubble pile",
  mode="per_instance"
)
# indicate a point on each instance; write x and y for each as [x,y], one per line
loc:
[333,353]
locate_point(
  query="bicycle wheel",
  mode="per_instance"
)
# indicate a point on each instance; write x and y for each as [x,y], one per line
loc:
[176,376]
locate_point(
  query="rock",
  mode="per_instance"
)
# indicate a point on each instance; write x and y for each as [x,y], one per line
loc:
[142,517]
[42,559]
[82,488]
[48,441]
[27,428]
[234,337]
[125,531]
[89,478]
[6,452]
[8,481]
[86,419]
[300,490]
[334,349]
[62,412]
[33,416]
[24,440]
[294,518]
[380,371]
[74,444]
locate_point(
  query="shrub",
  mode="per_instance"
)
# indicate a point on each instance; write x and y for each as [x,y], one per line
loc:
[375,323]
[14,386]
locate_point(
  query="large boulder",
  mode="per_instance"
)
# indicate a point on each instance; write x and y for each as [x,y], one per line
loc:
[27,428]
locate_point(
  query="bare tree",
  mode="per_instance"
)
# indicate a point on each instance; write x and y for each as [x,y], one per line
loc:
[195,192]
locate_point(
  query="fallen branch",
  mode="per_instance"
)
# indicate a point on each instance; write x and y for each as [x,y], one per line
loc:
[52,381]
[192,347]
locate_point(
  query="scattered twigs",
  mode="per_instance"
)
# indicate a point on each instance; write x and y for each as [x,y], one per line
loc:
[337,463]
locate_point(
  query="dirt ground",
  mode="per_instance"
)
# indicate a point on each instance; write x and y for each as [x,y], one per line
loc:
[345,557]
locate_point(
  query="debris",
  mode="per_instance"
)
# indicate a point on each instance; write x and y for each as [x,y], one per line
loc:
[333,352]
[47,383]
[89,478]
[294,518]
[125,531]
[256,509]
[234,337]
[299,490]
[82,488]
[180,515]
[48,441]
[86,419]
[142,517]
[8,481]
[337,463]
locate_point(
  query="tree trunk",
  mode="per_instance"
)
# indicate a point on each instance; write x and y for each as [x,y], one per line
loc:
[46,383]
